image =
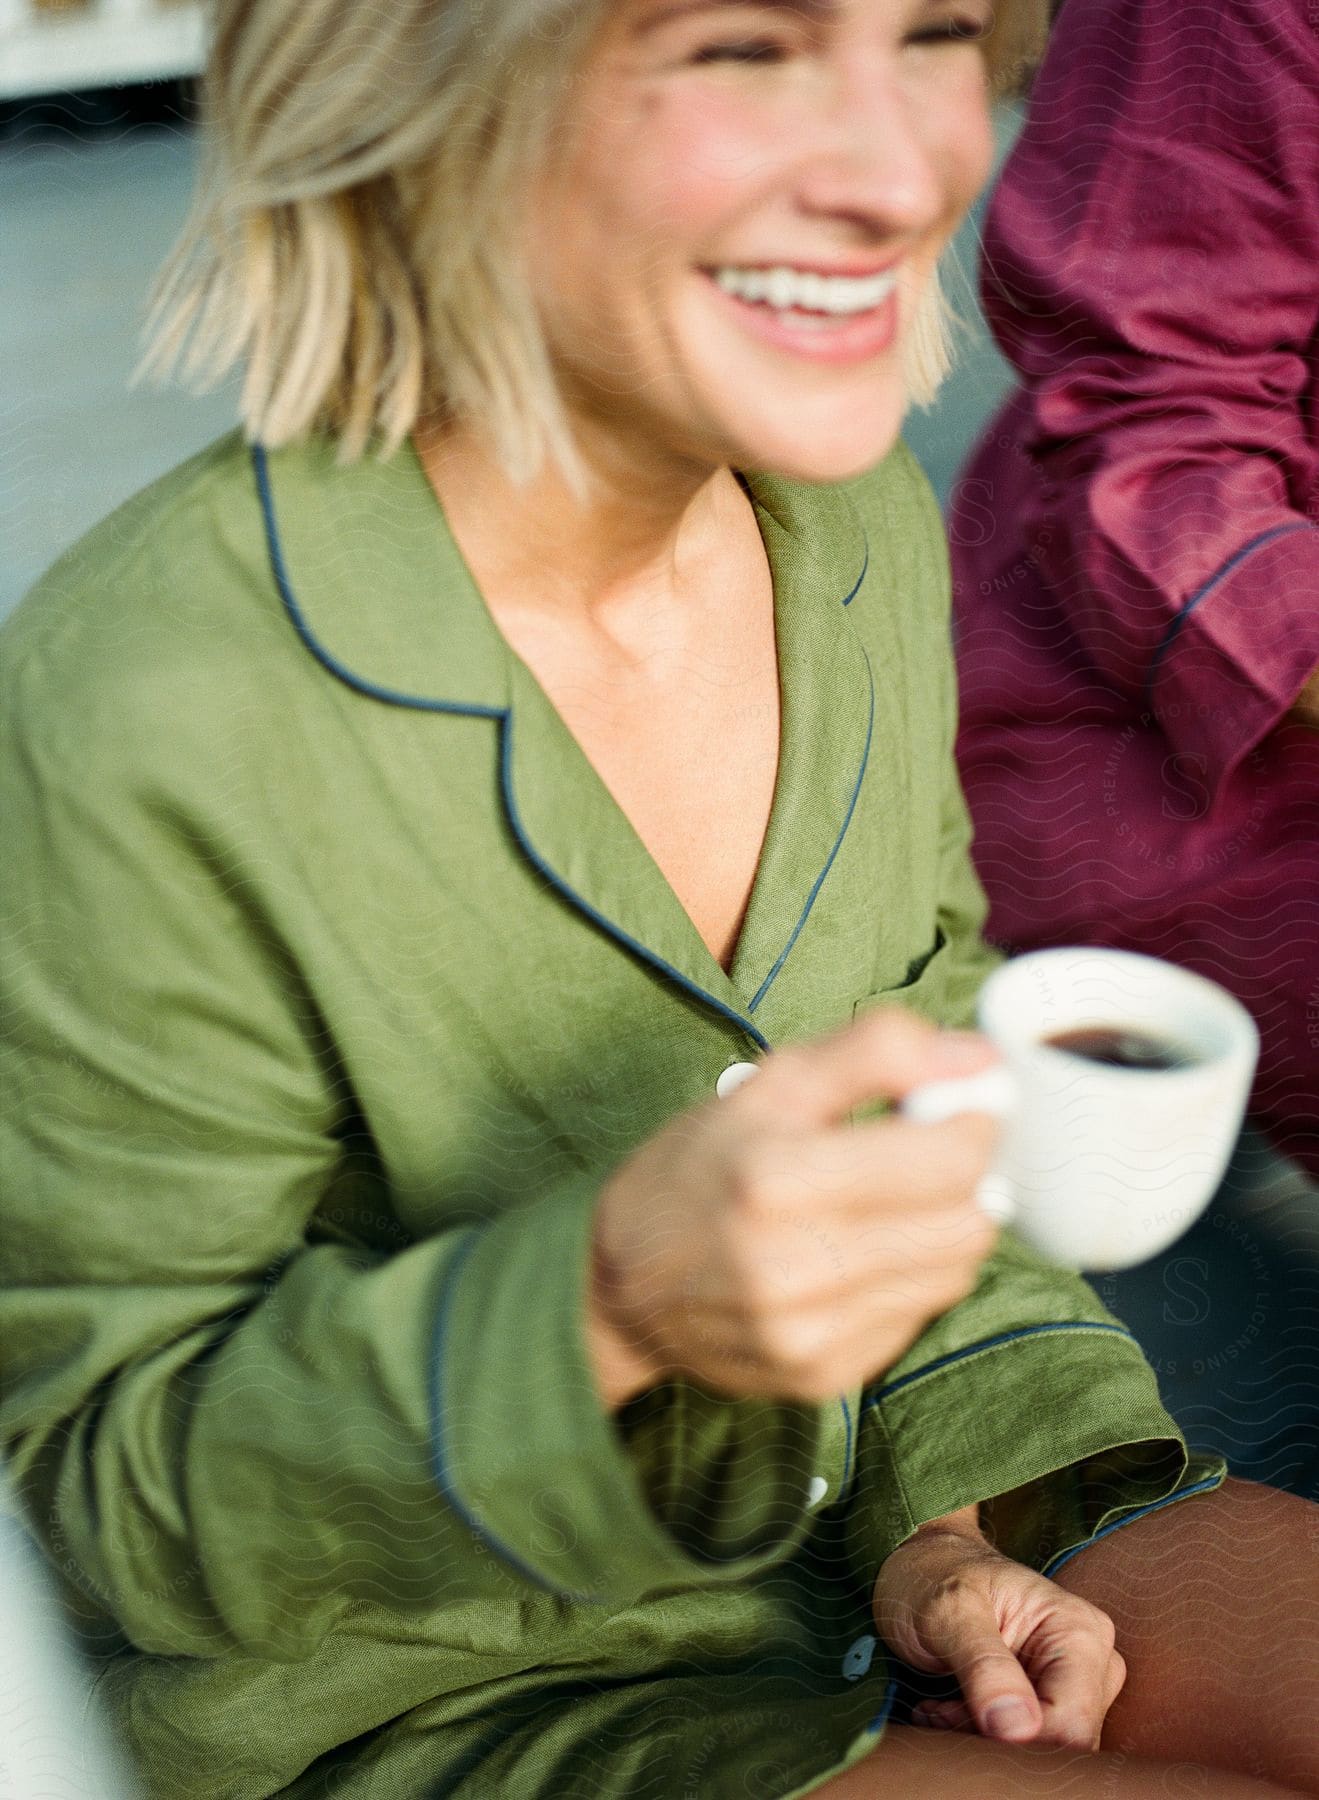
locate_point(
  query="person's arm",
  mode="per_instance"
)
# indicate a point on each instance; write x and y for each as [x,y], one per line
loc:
[1026,1415]
[230,1418]
[1149,270]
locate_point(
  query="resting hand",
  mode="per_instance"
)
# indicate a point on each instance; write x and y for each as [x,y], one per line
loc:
[1035,1664]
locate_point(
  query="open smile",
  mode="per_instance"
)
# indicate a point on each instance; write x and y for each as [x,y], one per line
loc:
[824,317]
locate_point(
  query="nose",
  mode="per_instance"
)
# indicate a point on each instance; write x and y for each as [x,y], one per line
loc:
[876,158]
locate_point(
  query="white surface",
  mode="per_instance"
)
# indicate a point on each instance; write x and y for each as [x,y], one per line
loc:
[990,1091]
[98,44]
[733,1078]
[51,1744]
[1105,1167]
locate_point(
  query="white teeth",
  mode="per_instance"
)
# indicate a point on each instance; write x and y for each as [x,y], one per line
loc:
[782,287]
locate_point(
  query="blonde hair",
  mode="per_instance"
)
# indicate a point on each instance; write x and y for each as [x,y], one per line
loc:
[349,240]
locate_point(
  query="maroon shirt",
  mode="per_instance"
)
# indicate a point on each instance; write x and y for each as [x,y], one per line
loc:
[1136,562]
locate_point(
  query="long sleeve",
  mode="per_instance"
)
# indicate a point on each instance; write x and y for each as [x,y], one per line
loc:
[1029,1395]
[1149,270]
[237,1400]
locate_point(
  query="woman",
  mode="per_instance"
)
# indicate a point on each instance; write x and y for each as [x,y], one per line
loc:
[448,1355]
[1136,564]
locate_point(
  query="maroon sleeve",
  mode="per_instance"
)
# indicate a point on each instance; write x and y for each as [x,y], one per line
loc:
[1152,270]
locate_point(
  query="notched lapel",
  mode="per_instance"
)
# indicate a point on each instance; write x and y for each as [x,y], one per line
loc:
[376,587]
[818,553]
[579,838]
[374,582]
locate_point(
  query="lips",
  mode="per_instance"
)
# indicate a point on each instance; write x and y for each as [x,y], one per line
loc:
[787,288]
[818,337]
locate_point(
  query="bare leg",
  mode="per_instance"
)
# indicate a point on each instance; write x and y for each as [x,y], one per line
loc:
[1216,1603]
[916,1764]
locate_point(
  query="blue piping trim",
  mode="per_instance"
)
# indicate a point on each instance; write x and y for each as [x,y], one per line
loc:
[765,985]
[1203,592]
[1006,1337]
[420,703]
[392,696]
[847,1447]
[557,882]
[856,586]
[439,1462]
[1065,1556]
[880,1719]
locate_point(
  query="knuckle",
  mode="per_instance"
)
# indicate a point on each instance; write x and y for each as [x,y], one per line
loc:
[1092,1620]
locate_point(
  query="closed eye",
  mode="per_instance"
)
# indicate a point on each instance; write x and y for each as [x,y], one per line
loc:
[965,30]
[746,50]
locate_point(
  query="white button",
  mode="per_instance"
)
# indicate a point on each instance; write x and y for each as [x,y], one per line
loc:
[733,1077]
[859,1657]
[817,1490]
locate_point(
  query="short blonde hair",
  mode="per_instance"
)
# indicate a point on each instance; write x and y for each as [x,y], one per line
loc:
[349,240]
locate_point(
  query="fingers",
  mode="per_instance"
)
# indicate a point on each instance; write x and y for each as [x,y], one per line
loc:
[1077,1674]
[883,1055]
[996,1690]
[937,1162]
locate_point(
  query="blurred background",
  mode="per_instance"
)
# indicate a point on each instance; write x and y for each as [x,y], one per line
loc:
[97,156]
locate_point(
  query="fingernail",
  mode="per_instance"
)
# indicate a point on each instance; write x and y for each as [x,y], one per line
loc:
[1008,1719]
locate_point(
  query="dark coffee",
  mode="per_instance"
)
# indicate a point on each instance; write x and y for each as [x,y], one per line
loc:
[1123,1047]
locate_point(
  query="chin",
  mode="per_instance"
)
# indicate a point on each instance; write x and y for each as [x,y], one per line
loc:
[821,451]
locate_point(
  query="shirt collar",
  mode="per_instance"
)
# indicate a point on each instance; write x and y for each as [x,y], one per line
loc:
[376,587]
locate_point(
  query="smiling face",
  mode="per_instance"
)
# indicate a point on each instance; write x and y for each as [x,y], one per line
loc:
[740,214]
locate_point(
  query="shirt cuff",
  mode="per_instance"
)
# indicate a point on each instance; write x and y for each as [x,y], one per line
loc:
[1056,1428]
[526,1453]
[1236,657]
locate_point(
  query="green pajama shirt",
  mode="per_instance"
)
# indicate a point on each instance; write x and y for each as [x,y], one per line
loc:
[334,985]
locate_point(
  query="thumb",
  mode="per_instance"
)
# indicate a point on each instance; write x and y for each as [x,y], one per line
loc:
[995,1687]
[881,1056]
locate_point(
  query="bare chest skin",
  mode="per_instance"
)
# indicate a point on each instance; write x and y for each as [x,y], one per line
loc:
[678,712]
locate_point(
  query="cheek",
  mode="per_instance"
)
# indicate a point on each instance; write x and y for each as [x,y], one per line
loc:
[958,135]
[684,168]
[963,147]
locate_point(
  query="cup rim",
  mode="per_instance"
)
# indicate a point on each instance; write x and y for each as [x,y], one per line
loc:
[1240,1036]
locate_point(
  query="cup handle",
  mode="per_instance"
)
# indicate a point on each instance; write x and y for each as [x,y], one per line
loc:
[991,1091]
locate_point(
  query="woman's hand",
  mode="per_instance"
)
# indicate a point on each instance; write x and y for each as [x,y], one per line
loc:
[1035,1664]
[762,1245]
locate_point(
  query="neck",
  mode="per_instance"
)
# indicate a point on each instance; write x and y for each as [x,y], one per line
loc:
[647,525]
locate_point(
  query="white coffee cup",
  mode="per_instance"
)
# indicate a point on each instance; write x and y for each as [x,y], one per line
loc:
[1100,1167]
